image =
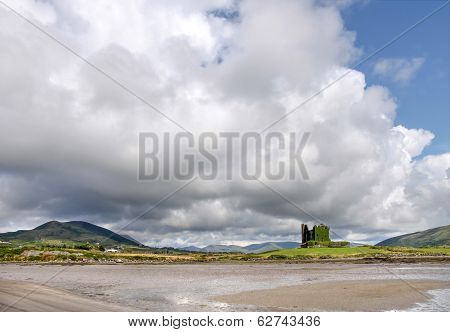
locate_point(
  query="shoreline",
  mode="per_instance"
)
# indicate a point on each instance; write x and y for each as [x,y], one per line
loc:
[350,260]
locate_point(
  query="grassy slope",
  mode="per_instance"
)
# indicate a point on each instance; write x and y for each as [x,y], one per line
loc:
[352,252]
[74,231]
[64,251]
[432,237]
[14,253]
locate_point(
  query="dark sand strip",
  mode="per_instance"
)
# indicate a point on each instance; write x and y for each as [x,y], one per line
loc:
[13,297]
[367,295]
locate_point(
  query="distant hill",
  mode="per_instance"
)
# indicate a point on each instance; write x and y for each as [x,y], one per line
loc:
[252,248]
[130,238]
[191,248]
[432,237]
[270,246]
[78,231]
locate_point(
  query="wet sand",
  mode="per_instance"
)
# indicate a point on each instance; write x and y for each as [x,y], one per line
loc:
[228,287]
[27,296]
[368,295]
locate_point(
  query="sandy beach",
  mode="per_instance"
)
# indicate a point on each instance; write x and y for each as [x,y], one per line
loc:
[226,287]
[27,296]
[367,295]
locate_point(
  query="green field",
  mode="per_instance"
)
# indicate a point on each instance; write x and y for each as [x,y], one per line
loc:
[366,251]
[72,252]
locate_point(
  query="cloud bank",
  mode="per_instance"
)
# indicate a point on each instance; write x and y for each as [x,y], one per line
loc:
[399,70]
[68,135]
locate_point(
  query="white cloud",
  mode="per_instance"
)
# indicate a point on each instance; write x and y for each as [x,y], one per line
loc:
[415,140]
[68,135]
[399,70]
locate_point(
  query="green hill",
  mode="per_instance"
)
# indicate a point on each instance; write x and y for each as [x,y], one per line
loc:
[432,237]
[72,231]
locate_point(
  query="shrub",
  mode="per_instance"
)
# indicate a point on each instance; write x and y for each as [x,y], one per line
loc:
[277,257]
[82,246]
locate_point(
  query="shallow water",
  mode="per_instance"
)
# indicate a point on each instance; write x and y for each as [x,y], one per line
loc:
[189,287]
[440,301]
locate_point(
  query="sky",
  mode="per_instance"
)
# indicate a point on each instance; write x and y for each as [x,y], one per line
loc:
[423,99]
[378,157]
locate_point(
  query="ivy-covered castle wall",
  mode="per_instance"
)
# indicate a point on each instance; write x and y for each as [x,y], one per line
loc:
[319,233]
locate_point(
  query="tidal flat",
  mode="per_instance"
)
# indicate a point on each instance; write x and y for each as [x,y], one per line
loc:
[226,287]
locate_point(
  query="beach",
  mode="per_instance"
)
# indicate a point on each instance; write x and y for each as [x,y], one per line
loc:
[225,287]
[27,296]
[367,295]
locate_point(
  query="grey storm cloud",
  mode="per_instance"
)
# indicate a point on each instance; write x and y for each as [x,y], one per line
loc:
[68,134]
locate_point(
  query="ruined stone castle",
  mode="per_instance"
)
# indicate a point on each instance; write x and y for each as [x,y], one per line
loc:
[319,233]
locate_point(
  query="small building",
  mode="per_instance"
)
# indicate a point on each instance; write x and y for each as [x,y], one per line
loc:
[319,233]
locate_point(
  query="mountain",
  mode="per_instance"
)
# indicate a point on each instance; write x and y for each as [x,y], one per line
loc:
[79,231]
[191,248]
[270,246]
[222,248]
[252,248]
[439,236]
[130,238]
